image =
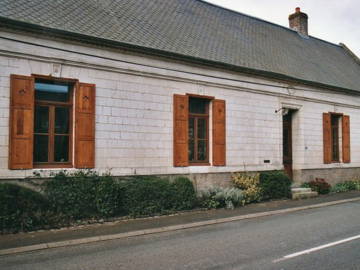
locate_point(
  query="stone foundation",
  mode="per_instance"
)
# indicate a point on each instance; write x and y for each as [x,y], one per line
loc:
[332,176]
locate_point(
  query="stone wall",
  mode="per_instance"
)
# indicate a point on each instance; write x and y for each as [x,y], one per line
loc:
[134,112]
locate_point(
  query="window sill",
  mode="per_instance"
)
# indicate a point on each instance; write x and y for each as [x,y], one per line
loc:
[199,164]
[52,165]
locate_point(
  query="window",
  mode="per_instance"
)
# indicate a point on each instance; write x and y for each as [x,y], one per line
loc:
[198,130]
[192,130]
[42,131]
[336,138]
[52,123]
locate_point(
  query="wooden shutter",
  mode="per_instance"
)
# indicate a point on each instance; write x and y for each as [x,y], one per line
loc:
[85,126]
[181,119]
[346,139]
[21,122]
[327,137]
[219,135]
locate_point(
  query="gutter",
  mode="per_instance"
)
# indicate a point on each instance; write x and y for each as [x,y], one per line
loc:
[72,36]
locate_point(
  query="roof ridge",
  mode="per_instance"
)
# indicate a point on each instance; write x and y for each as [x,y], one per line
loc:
[350,53]
[269,22]
[244,14]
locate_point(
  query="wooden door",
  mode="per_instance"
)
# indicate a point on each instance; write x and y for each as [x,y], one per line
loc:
[287,144]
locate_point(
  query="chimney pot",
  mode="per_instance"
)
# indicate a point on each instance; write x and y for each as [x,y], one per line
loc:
[299,21]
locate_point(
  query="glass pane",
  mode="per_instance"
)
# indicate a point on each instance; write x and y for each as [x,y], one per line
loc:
[202,152]
[191,151]
[201,125]
[41,119]
[62,120]
[198,105]
[41,148]
[61,149]
[51,91]
[191,128]
[335,141]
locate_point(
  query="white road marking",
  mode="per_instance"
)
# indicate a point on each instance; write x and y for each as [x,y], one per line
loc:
[308,251]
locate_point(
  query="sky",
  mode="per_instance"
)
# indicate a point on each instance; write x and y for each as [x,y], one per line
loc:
[331,20]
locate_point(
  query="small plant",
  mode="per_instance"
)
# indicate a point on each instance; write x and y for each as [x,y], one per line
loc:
[250,186]
[275,185]
[305,185]
[221,197]
[320,185]
[346,186]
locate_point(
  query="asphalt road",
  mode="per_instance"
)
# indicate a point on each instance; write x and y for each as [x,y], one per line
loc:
[264,243]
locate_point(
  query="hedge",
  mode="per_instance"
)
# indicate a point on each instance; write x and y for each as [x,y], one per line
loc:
[22,209]
[69,197]
[275,185]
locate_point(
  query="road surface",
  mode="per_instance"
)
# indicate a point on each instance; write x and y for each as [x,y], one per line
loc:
[324,238]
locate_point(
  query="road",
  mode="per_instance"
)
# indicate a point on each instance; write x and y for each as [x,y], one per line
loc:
[262,243]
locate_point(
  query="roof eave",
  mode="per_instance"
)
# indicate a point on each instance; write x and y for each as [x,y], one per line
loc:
[38,29]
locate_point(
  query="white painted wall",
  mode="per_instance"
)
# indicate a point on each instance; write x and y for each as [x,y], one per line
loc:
[134,110]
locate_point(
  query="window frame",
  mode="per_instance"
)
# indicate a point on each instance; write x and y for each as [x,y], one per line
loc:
[335,144]
[197,116]
[52,105]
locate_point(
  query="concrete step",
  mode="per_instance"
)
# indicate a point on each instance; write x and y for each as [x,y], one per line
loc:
[304,195]
[299,190]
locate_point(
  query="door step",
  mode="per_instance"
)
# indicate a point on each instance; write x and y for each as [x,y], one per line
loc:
[303,193]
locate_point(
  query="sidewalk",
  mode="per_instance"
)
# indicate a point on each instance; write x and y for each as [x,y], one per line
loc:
[16,243]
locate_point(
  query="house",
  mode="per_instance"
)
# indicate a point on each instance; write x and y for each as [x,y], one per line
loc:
[172,87]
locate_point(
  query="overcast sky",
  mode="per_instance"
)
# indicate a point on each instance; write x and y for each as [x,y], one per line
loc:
[332,20]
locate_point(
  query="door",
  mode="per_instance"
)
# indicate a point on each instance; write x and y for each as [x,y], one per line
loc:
[287,144]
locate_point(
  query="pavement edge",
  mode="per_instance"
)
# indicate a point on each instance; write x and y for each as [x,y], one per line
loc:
[166,228]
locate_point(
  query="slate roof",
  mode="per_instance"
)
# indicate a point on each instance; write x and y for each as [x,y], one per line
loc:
[195,29]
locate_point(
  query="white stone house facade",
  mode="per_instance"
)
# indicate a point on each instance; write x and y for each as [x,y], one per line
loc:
[134,111]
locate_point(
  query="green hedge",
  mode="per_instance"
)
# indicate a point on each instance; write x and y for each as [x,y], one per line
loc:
[22,209]
[275,185]
[83,194]
[86,195]
[152,195]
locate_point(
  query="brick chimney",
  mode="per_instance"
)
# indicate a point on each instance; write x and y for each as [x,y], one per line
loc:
[299,22]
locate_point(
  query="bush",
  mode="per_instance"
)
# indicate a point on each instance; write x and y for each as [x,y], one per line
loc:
[21,209]
[250,186]
[184,194]
[221,197]
[320,185]
[275,185]
[148,195]
[83,194]
[346,186]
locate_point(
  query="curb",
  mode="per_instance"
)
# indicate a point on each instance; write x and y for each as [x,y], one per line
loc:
[167,228]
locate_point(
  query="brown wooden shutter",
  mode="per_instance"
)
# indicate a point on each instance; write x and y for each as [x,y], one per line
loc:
[21,134]
[219,135]
[346,138]
[85,126]
[327,137]
[181,119]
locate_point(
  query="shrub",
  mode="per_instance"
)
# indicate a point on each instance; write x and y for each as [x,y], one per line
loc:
[221,197]
[83,194]
[184,194]
[320,185]
[305,185]
[275,185]
[250,186]
[21,209]
[147,195]
[346,186]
